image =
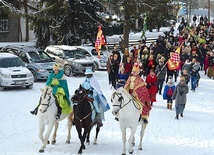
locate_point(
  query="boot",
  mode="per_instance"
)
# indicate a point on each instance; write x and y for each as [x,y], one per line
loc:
[151,103]
[59,109]
[170,106]
[182,115]
[34,112]
[99,120]
[167,105]
[177,117]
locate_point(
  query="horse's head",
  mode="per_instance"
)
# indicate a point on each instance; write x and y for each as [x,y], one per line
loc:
[80,95]
[117,99]
[46,99]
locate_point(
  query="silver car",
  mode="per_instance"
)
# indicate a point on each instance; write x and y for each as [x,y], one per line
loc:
[99,63]
[71,58]
[13,72]
[36,60]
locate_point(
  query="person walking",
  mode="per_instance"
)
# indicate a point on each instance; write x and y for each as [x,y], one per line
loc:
[168,91]
[160,71]
[180,97]
[151,81]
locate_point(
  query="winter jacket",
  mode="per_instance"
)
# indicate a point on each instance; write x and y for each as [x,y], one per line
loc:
[180,93]
[166,88]
[160,71]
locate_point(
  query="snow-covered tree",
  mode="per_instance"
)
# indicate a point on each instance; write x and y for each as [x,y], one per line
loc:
[67,21]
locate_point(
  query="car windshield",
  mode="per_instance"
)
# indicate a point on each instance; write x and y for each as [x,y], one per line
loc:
[85,52]
[94,52]
[39,56]
[77,53]
[11,62]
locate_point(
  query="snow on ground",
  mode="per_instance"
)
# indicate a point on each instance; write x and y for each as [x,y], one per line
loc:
[191,135]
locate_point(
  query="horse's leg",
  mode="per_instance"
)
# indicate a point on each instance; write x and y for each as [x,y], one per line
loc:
[123,130]
[133,142]
[69,124]
[54,134]
[143,127]
[41,131]
[48,132]
[97,131]
[85,133]
[131,138]
[88,136]
[79,131]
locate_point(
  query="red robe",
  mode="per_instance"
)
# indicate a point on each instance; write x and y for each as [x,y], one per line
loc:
[153,89]
[140,92]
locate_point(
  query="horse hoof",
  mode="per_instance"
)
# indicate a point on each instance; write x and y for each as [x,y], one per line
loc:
[53,142]
[48,142]
[67,142]
[41,151]
[80,152]
[95,143]
[140,149]
[123,154]
[131,152]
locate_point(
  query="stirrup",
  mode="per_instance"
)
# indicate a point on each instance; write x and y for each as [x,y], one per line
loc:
[57,116]
[34,112]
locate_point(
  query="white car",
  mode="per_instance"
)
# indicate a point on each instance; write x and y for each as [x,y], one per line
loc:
[99,63]
[13,72]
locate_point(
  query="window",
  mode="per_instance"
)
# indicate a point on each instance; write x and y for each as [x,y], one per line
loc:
[3,24]
[3,21]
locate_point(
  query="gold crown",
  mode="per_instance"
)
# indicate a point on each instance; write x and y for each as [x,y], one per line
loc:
[136,68]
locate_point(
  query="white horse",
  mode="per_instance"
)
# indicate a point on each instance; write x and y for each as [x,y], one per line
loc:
[127,111]
[46,113]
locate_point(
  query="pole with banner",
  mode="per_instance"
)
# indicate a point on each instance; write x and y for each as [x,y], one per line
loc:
[100,40]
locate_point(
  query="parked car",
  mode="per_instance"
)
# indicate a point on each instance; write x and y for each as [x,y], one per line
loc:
[13,72]
[36,60]
[99,63]
[71,58]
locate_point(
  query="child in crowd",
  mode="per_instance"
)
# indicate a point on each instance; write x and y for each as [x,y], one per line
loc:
[128,66]
[121,78]
[180,97]
[168,91]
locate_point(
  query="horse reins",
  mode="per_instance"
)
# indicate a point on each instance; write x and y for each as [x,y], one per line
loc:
[49,103]
[121,99]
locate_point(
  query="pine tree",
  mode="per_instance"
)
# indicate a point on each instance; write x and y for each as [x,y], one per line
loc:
[67,22]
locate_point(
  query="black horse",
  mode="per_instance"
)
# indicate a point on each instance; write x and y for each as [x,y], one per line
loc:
[82,117]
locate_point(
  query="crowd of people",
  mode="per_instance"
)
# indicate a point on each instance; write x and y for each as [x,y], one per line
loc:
[194,44]
[143,70]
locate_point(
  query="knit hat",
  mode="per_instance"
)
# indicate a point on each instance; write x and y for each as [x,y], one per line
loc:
[170,80]
[56,66]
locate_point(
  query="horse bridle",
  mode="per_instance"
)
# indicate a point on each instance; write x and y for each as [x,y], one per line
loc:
[80,100]
[49,99]
[121,99]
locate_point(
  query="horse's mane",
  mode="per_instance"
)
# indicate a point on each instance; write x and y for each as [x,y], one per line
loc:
[123,90]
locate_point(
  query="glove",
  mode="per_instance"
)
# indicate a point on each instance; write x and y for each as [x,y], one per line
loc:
[90,92]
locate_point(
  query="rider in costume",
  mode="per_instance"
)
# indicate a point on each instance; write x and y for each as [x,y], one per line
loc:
[93,88]
[136,86]
[58,82]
